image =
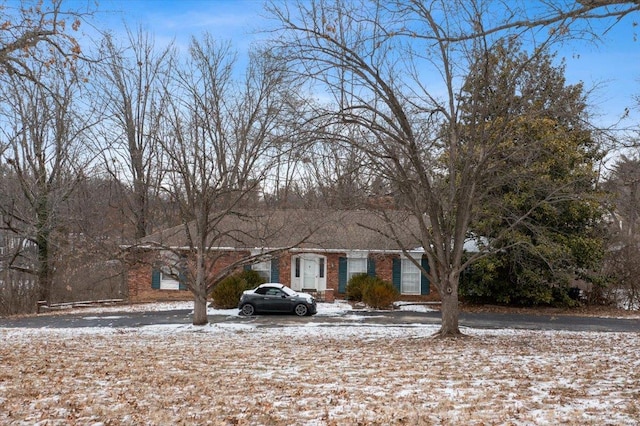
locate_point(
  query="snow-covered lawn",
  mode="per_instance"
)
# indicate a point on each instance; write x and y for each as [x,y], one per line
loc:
[339,307]
[227,374]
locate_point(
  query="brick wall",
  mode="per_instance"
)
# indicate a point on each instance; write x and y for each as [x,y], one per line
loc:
[285,269]
[139,275]
[384,266]
[332,270]
[139,281]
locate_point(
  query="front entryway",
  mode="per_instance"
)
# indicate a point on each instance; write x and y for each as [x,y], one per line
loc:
[309,272]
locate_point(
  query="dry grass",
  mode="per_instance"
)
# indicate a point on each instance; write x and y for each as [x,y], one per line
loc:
[317,376]
[600,311]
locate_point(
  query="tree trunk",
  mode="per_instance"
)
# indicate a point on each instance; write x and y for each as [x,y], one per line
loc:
[44,265]
[140,204]
[200,292]
[44,272]
[450,311]
[200,310]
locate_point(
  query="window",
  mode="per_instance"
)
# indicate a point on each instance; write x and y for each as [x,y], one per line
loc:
[297,267]
[264,269]
[274,292]
[321,263]
[356,266]
[410,278]
[167,282]
[169,271]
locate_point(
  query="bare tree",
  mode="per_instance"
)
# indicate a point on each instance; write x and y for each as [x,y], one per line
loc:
[219,150]
[132,86]
[37,32]
[43,122]
[33,37]
[397,72]
[330,175]
[623,260]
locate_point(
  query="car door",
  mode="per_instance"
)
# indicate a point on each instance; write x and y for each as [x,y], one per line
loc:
[276,301]
[260,300]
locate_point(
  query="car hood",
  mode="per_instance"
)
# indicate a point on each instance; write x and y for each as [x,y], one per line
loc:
[304,296]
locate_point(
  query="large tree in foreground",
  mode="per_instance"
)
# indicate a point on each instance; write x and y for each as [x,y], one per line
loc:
[220,134]
[547,198]
[397,72]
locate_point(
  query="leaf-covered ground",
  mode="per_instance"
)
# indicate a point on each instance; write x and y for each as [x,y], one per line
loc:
[317,376]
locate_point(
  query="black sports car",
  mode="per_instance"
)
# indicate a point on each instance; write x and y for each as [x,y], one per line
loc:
[276,297]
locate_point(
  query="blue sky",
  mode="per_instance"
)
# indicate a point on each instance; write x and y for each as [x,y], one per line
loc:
[235,20]
[611,68]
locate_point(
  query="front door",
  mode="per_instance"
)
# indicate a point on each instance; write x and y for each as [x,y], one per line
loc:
[309,272]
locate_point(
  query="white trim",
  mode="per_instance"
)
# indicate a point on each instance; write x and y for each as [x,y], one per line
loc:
[265,249]
[357,254]
[321,250]
[415,255]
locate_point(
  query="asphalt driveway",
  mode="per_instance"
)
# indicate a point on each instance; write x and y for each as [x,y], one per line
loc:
[382,318]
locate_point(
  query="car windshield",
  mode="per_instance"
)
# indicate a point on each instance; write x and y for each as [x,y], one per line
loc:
[288,291]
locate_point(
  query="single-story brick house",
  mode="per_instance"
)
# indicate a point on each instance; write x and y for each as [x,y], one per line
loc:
[311,250]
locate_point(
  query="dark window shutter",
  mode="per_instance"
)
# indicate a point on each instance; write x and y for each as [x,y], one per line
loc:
[182,280]
[342,275]
[396,273]
[155,279]
[424,281]
[371,267]
[247,267]
[321,267]
[275,270]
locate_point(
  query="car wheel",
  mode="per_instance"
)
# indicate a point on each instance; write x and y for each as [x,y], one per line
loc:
[247,310]
[301,310]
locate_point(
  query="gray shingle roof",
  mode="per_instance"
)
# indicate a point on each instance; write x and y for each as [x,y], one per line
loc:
[306,229]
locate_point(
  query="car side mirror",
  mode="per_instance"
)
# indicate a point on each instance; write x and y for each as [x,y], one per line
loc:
[284,296]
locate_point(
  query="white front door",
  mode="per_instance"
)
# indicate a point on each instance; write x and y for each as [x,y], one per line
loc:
[309,272]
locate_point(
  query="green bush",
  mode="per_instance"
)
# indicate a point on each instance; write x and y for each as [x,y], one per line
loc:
[496,281]
[356,285]
[373,291]
[379,294]
[226,294]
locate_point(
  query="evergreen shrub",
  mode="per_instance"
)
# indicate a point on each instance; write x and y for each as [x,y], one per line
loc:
[356,285]
[226,294]
[373,291]
[379,294]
